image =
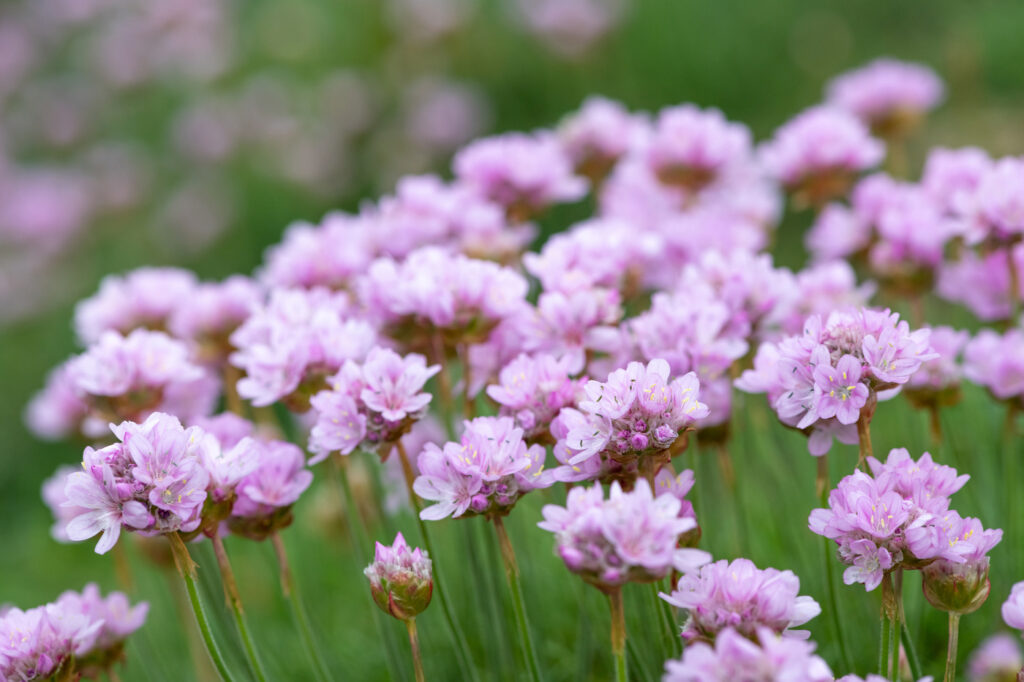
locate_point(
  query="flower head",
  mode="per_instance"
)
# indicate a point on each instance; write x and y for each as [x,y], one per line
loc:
[264,497]
[532,390]
[734,657]
[400,579]
[483,474]
[739,595]
[628,537]
[888,95]
[1013,607]
[690,148]
[997,659]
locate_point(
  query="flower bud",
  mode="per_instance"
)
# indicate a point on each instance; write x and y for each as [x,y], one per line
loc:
[400,579]
[956,588]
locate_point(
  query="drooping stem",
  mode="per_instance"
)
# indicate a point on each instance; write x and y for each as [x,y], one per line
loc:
[235,602]
[954,635]
[414,642]
[618,633]
[508,555]
[458,640]
[298,609]
[187,570]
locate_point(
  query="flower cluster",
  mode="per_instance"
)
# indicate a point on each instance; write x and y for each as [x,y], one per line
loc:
[996,659]
[735,657]
[485,473]
[152,481]
[829,377]
[289,346]
[740,596]
[597,135]
[997,362]
[690,148]
[628,537]
[401,579]
[532,390]
[79,634]
[638,413]
[265,495]
[900,518]
[1013,607]
[370,404]
[888,95]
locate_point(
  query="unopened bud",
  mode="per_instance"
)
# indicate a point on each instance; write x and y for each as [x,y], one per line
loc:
[400,579]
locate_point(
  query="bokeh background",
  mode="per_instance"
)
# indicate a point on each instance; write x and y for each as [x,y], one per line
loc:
[192,132]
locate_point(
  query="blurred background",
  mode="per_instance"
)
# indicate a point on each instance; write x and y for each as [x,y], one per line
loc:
[192,132]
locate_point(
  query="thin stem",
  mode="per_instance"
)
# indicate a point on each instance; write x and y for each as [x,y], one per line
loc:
[864,439]
[414,642]
[359,542]
[663,623]
[618,633]
[954,635]
[231,398]
[298,609]
[235,602]
[444,383]
[187,570]
[725,465]
[1015,299]
[668,615]
[822,485]
[900,620]
[468,405]
[908,646]
[458,639]
[512,575]
[935,425]
[883,656]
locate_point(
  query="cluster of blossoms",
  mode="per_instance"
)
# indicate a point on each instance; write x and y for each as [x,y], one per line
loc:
[626,537]
[997,659]
[740,596]
[629,425]
[79,634]
[533,390]
[888,95]
[371,404]
[735,657]
[401,579]
[900,518]
[485,473]
[290,345]
[830,377]
[997,362]
[596,136]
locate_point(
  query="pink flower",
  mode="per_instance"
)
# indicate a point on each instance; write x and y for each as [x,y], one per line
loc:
[629,537]
[997,363]
[839,390]
[328,255]
[214,311]
[735,657]
[691,148]
[532,390]
[524,173]
[484,474]
[401,579]
[837,233]
[146,297]
[57,411]
[996,658]
[1013,607]
[371,404]
[597,135]
[884,90]
[739,595]
[266,494]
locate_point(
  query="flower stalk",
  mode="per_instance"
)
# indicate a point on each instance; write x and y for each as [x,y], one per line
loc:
[954,635]
[414,642]
[618,633]
[234,600]
[288,589]
[512,575]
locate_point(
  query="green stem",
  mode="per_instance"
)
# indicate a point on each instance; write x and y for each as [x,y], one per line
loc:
[457,637]
[864,438]
[414,642]
[234,600]
[908,646]
[883,655]
[298,609]
[187,571]
[360,542]
[954,634]
[822,485]
[664,620]
[618,633]
[512,574]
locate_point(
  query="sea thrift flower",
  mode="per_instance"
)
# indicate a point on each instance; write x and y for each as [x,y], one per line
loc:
[370,405]
[130,377]
[997,659]
[982,282]
[292,344]
[690,148]
[644,411]
[837,232]
[118,619]
[264,497]
[144,298]
[998,204]
[951,176]
[569,326]
[532,390]
[739,595]
[214,310]
[629,537]
[818,154]
[598,135]
[820,289]
[570,27]
[37,643]
[401,580]
[997,363]
[1013,607]
[888,95]
[734,657]
[961,586]
[524,173]
[433,291]
[328,255]
[57,411]
[484,474]
[152,480]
